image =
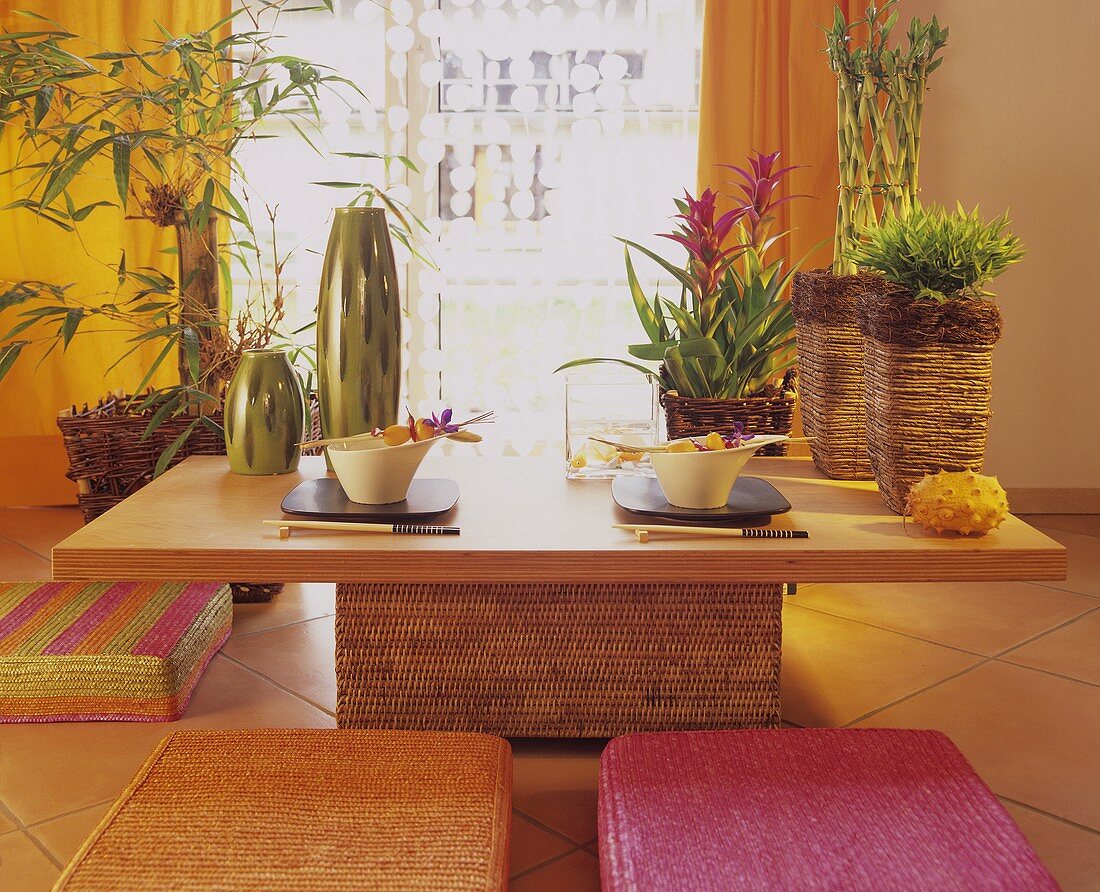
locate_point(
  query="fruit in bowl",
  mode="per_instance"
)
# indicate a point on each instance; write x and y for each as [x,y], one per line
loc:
[699,472]
[378,468]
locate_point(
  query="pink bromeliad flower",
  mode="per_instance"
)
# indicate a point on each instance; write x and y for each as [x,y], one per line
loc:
[705,239]
[759,183]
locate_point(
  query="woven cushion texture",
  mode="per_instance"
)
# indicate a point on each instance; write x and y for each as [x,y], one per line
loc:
[836,809]
[128,651]
[307,809]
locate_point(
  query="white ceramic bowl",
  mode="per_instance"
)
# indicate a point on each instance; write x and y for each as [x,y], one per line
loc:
[373,473]
[704,479]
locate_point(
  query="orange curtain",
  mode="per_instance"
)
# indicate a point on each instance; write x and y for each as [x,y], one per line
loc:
[32,458]
[766,85]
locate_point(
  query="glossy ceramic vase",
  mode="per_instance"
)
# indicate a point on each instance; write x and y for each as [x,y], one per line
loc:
[265,415]
[358,326]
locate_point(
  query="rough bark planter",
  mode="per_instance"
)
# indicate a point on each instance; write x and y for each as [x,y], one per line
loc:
[928,370]
[830,370]
[771,412]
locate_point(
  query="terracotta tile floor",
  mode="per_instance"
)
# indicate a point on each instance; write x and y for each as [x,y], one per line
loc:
[1010,671]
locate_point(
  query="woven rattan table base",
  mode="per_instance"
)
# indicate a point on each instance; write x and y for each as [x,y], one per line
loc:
[558,660]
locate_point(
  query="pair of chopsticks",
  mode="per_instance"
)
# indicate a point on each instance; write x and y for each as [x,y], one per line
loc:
[642,531]
[404,529]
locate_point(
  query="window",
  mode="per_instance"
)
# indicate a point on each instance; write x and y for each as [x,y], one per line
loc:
[542,129]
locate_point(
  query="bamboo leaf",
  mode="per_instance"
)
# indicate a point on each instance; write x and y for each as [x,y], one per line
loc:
[9,353]
[166,457]
[70,325]
[120,158]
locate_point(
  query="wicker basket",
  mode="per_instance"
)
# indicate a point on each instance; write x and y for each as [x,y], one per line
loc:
[928,371]
[830,370]
[109,460]
[593,660]
[764,414]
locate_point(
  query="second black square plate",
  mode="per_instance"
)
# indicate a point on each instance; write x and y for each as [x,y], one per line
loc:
[750,497]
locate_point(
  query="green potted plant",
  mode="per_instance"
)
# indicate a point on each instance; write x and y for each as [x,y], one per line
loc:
[162,123]
[724,345]
[928,337]
[880,104]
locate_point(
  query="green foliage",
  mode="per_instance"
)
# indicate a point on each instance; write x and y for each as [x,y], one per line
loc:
[939,255]
[880,104]
[162,123]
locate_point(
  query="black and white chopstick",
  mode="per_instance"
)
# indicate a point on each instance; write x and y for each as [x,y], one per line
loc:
[642,531]
[403,529]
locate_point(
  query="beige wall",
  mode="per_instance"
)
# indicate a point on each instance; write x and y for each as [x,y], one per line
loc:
[1013,121]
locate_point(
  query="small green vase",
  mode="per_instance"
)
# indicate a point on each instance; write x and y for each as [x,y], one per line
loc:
[265,415]
[358,326]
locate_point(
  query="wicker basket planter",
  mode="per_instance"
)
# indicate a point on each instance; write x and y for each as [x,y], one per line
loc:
[830,370]
[928,371]
[771,413]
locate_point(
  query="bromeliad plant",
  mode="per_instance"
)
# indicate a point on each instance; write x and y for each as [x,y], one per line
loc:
[939,255]
[731,333]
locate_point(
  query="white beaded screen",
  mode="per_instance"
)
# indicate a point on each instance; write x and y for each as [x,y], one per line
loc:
[541,129]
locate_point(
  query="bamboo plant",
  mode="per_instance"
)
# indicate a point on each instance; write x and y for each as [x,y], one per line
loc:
[880,103]
[163,121]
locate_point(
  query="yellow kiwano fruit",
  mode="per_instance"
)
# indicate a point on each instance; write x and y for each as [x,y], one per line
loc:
[681,446]
[396,434]
[962,501]
[714,441]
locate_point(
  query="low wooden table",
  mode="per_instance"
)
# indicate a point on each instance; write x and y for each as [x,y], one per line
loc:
[540,619]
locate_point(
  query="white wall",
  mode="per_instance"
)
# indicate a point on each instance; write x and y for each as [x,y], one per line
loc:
[1013,121]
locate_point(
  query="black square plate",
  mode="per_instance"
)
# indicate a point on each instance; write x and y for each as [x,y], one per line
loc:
[750,497]
[325,498]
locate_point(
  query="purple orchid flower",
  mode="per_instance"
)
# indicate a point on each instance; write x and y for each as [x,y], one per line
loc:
[442,423]
[738,437]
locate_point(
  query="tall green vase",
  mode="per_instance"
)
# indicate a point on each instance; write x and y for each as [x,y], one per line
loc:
[265,414]
[358,326]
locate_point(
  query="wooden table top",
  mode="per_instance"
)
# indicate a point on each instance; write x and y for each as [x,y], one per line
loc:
[522,521]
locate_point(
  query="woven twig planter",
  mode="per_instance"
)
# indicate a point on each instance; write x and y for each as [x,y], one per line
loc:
[928,370]
[109,460]
[764,414]
[830,370]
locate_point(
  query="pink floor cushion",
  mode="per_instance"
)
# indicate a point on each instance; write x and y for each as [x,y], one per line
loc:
[106,651]
[837,809]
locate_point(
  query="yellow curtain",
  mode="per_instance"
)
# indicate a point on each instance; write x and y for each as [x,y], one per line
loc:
[32,459]
[766,85]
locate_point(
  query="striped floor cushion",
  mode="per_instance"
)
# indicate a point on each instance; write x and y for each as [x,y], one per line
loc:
[881,810]
[106,651]
[316,810]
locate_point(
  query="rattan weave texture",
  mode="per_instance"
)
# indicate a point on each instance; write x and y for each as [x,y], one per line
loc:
[830,370]
[102,651]
[837,809]
[312,810]
[557,660]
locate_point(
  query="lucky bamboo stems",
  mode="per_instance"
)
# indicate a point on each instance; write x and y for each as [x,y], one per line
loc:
[880,103]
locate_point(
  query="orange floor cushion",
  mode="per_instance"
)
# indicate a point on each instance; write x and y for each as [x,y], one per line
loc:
[307,809]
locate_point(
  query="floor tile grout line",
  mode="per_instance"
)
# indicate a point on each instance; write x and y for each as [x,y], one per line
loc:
[1094,831]
[900,700]
[69,814]
[1059,588]
[962,650]
[1057,628]
[543,864]
[1047,529]
[297,622]
[546,827]
[48,558]
[1058,675]
[276,684]
[5,809]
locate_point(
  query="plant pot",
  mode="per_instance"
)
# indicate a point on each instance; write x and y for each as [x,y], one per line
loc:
[264,415]
[928,371]
[358,326]
[830,370]
[767,413]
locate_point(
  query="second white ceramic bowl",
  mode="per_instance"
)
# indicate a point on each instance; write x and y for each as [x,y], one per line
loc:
[704,479]
[373,473]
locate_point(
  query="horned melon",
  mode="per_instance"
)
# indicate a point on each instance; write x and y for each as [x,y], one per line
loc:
[962,501]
